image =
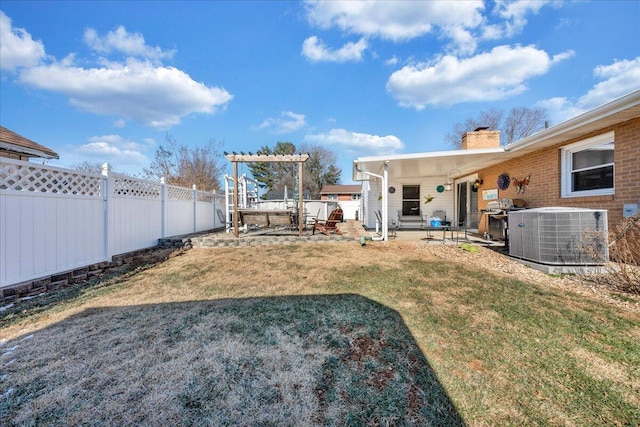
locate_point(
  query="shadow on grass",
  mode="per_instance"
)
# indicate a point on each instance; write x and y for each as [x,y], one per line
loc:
[299,360]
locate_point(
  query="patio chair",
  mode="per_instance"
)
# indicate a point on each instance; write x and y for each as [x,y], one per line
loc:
[392,224]
[330,225]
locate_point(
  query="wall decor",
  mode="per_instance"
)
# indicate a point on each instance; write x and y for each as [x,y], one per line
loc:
[490,194]
[504,181]
[521,185]
[392,190]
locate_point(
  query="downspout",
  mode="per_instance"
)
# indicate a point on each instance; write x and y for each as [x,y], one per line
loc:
[385,209]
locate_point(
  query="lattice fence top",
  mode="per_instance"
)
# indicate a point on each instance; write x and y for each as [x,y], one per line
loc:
[179,193]
[23,176]
[127,186]
[45,179]
[204,196]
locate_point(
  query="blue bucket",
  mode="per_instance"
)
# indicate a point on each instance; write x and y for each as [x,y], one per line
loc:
[436,223]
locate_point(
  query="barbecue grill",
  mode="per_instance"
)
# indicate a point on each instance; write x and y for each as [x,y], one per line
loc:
[497,214]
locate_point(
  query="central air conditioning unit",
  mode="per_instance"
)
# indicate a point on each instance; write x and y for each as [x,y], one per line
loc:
[559,236]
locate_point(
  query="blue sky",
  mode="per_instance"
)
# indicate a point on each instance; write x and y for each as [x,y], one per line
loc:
[106,81]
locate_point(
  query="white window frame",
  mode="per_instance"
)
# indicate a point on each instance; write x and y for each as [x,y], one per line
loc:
[567,166]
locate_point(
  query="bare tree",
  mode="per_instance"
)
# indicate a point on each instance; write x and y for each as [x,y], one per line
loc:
[87,166]
[490,119]
[522,122]
[519,123]
[185,166]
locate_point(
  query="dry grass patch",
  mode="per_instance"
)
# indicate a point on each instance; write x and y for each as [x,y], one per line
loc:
[328,334]
[296,361]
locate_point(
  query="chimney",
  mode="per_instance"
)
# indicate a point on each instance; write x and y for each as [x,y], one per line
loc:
[482,137]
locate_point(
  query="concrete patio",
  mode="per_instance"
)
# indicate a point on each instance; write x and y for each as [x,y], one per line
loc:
[351,230]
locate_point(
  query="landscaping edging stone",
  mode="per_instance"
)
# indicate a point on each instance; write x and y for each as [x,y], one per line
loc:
[120,262]
[218,242]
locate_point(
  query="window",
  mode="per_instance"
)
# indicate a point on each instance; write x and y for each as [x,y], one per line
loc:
[332,197]
[411,200]
[355,197]
[588,167]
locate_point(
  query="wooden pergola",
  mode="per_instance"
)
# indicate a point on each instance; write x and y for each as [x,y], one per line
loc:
[265,158]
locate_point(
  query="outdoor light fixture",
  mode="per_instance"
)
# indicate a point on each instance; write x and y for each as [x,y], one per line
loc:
[448,186]
[477,183]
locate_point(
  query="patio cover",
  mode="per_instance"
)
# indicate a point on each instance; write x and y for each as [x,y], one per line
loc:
[436,163]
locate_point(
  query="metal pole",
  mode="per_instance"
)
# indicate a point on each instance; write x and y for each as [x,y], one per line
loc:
[385,203]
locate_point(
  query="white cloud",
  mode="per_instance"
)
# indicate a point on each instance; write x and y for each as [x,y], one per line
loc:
[562,56]
[358,142]
[464,23]
[142,90]
[465,43]
[559,108]
[392,61]
[131,44]
[515,13]
[17,48]
[122,154]
[288,122]
[393,20]
[498,74]
[618,79]
[315,50]
[156,96]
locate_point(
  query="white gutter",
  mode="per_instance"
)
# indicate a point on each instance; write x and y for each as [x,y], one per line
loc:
[26,151]
[385,209]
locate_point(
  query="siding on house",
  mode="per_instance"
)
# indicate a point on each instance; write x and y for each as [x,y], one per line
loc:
[544,168]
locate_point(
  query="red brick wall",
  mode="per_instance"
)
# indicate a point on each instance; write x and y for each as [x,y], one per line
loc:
[544,168]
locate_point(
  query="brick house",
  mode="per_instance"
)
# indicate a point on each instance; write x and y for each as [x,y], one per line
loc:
[18,147]
[590,161]
[340,193]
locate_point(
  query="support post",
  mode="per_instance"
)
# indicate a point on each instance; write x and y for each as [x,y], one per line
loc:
[195,208]
[107,188]
[300,202]
[236,234]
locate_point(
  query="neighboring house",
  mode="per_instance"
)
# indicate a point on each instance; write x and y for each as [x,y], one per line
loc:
[591,161]
[340,193]
[18,147]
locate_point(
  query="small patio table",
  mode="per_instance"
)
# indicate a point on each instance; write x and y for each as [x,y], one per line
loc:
[443,228]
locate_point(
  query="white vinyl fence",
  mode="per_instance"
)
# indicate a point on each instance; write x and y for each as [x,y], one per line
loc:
[54,220]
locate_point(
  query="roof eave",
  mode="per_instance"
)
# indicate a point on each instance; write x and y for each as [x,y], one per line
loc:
[30,152]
